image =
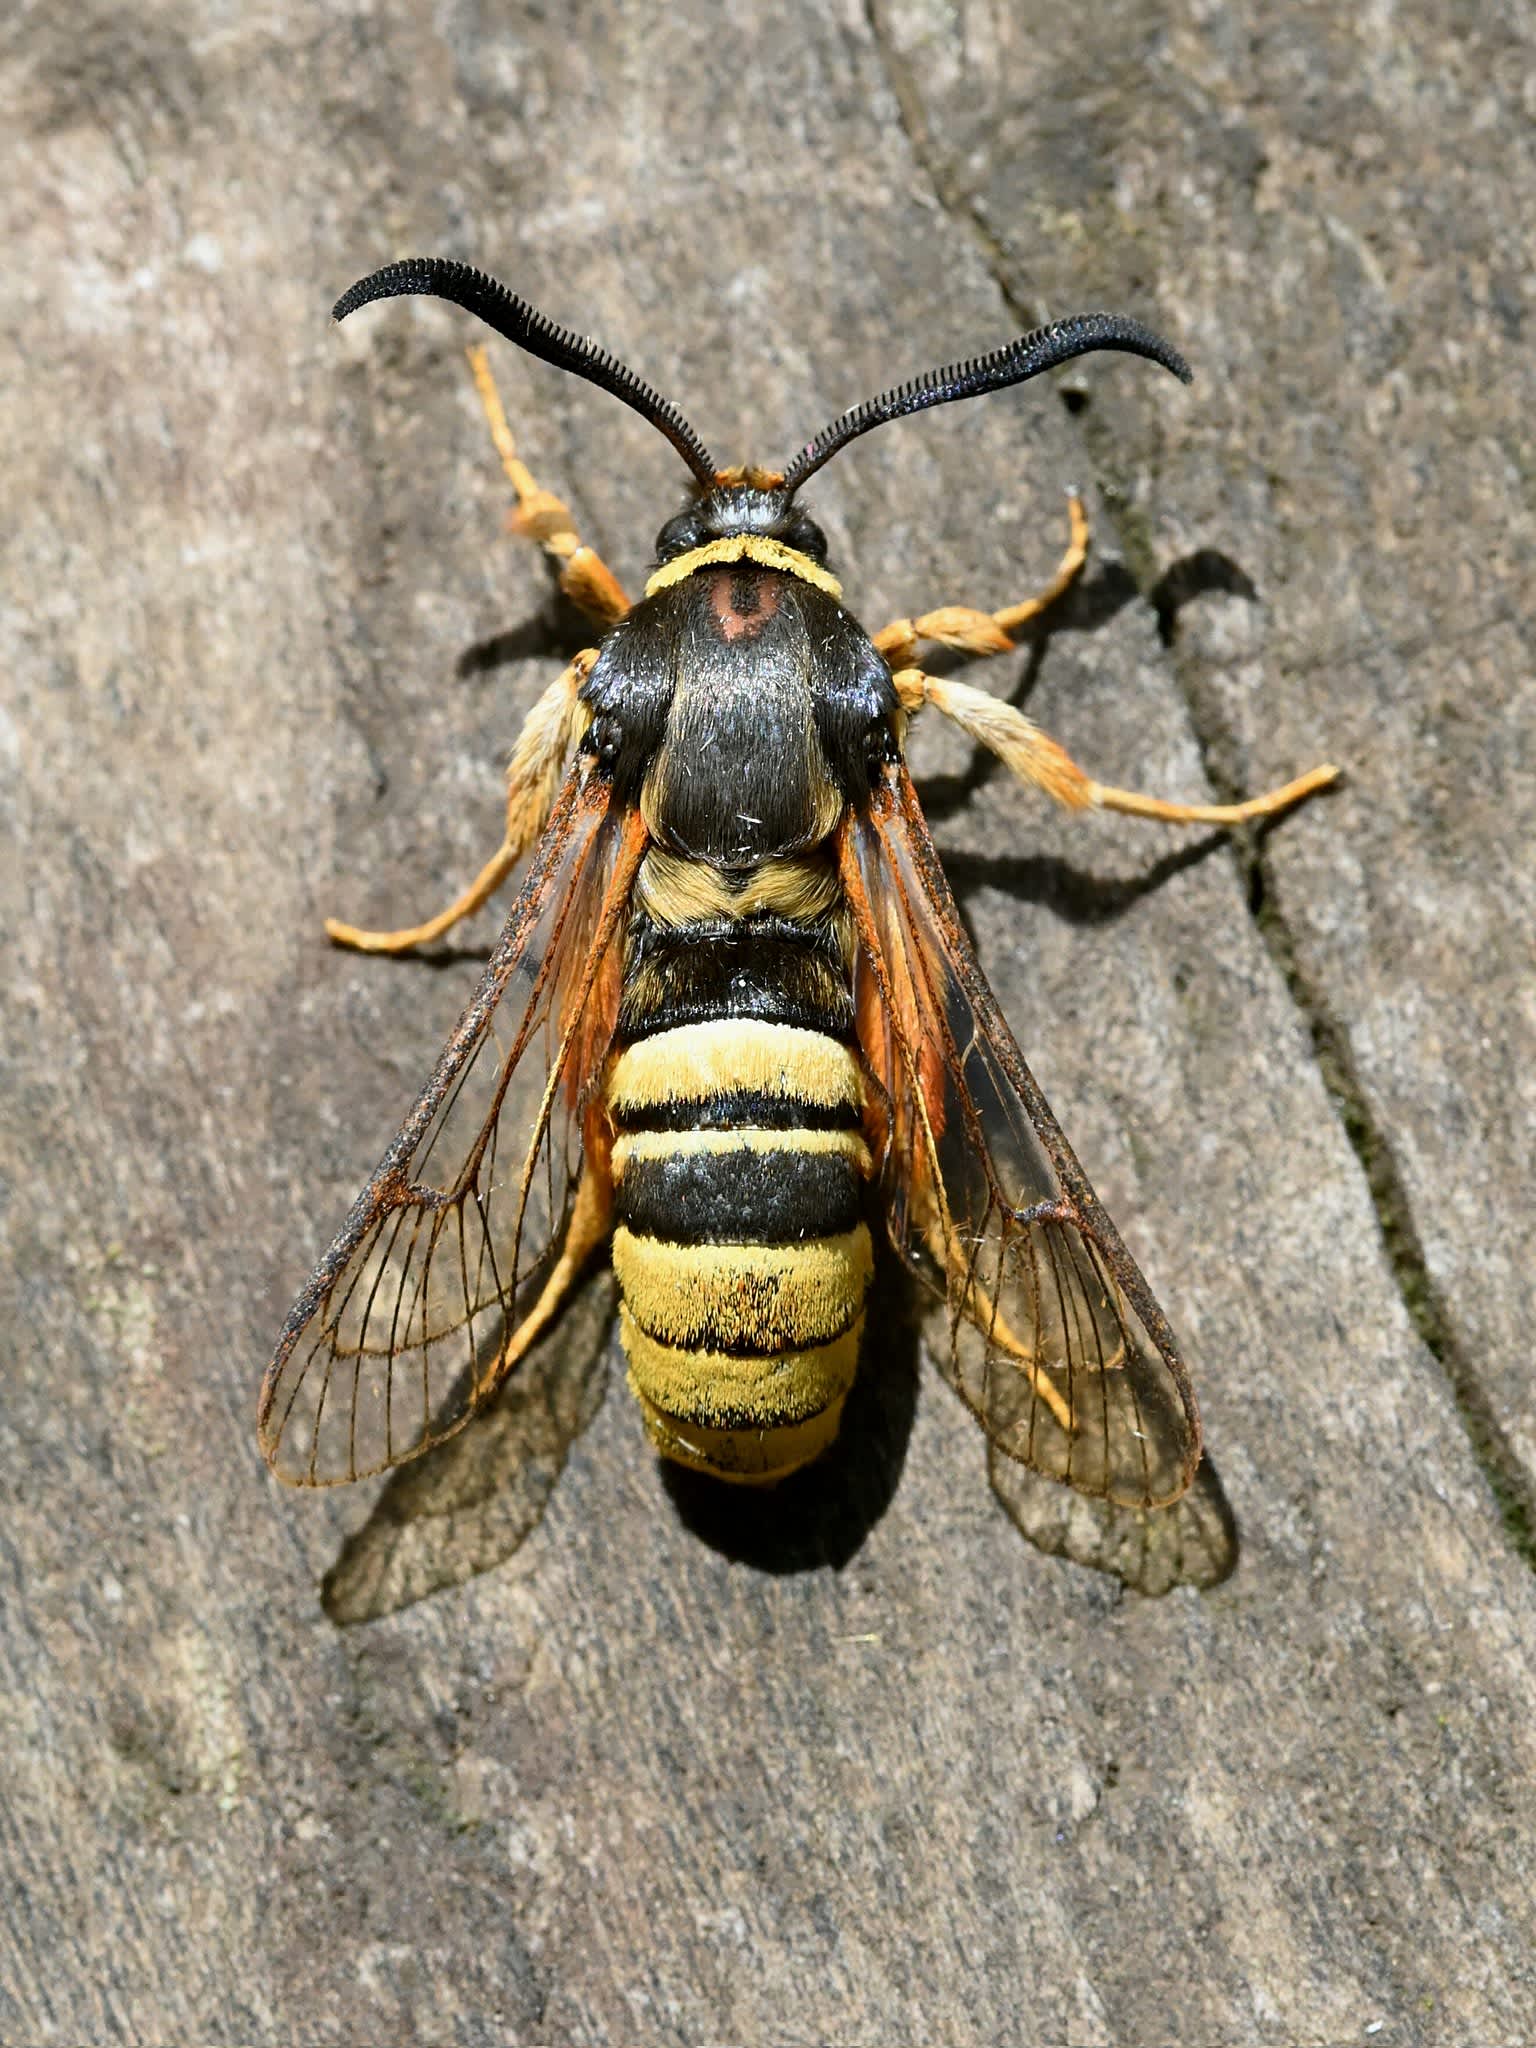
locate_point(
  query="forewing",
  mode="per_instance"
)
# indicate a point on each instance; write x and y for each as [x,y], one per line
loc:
[1050,1334]
[399,1335]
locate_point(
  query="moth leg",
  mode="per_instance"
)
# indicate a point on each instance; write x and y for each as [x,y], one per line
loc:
[533,780]
[591,1218]
[584,577]
[974,632]
[1034,757]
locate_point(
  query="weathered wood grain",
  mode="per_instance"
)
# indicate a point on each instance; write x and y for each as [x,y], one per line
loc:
[857,1764]
[1318,205]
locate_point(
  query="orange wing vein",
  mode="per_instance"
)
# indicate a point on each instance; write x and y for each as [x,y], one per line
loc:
[1050,1334]
[403,1329]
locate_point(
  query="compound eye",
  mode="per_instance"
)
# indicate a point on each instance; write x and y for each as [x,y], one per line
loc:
[802,533]
[681,532]
[605,736]
[880,747]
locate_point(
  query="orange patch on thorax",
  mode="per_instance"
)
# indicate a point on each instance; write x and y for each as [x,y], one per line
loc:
[742,601]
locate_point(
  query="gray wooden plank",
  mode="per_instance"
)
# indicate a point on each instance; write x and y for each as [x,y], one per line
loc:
[855,1764]
[1330,216]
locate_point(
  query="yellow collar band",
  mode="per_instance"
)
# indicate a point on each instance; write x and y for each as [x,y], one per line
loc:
[745,547]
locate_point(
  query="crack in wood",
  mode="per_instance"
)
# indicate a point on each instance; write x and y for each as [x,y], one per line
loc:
[1427,1308]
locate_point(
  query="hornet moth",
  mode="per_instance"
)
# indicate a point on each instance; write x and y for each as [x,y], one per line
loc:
[733,1022]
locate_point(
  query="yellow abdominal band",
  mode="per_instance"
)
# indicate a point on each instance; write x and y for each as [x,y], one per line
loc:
[741,1355]
[693,1062]
[745,547]
[798,1396]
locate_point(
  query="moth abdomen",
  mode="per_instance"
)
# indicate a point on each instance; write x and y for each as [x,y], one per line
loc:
[740,1168]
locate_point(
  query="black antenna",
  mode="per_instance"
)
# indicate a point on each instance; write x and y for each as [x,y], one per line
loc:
[1020,359]
[436,277]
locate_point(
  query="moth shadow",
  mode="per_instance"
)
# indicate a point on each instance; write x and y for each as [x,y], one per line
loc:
[467,1505]
[557,631]
[1080,897]
[1197,575]
[1088,607]
[1195,1542]
[1075,894]
[1095,599]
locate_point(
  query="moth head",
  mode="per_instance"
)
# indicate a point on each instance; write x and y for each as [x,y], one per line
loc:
[741,502]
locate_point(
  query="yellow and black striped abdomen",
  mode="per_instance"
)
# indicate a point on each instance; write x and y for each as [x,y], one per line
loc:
[741,1249]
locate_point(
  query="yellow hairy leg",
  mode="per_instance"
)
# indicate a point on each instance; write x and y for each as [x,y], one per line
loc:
[534,774]
[533,780]
[977,632]
[1034,757]
[584,576]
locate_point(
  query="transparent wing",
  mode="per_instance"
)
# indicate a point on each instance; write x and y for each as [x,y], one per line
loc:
[404,1328]
[1050,1334]
[1152,1550]
[472,1501]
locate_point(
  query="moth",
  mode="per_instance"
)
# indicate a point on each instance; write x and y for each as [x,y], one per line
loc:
[733,1026]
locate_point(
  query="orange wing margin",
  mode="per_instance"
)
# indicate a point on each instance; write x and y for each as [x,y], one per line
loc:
[403,1329]
[1051,1336]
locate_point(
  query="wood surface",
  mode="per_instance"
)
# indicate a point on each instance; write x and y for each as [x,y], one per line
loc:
[536,1744]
